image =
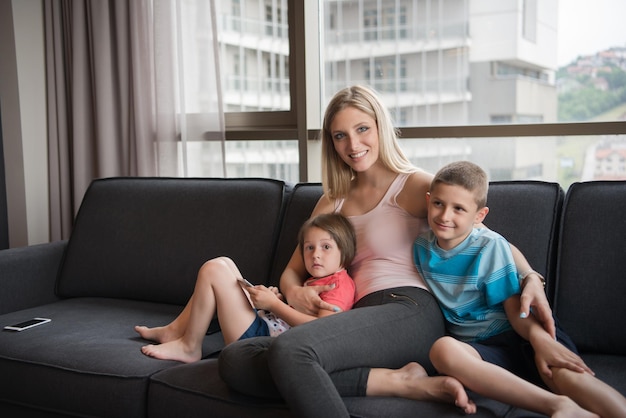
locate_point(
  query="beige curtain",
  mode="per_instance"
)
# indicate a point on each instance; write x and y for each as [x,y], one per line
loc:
[118,98]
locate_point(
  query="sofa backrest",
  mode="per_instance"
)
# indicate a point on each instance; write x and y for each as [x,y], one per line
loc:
[591,283]
[300,203]
[146,238]
[527,214]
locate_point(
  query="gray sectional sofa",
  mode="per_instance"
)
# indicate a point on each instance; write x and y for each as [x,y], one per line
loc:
[138,243]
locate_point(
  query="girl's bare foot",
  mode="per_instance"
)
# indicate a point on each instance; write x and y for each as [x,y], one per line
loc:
[412,381]
[174,350]
[158,334]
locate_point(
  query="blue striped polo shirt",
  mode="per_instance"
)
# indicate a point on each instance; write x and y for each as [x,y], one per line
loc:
[470,282]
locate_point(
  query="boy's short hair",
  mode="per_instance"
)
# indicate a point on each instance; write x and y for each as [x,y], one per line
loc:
[339,228]
[467,175]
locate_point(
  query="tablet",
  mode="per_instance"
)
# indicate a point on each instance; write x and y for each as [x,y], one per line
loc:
[245,282]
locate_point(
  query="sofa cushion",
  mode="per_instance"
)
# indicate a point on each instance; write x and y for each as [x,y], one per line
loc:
[87,360]
[527,214]
[300,204]
[40,265]
[195,390]
[591,282]
[524,212]
[146,238]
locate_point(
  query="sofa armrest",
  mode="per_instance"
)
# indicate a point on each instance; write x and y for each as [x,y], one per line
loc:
[28,275]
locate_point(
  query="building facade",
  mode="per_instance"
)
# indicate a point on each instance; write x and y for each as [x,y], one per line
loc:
[434,62]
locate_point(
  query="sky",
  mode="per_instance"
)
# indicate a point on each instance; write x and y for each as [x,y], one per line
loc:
[588,26]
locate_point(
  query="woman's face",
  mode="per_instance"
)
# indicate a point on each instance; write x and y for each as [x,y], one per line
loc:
[355,137]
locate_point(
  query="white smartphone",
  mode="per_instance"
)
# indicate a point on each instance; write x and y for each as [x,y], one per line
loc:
[27,324]
[245,282]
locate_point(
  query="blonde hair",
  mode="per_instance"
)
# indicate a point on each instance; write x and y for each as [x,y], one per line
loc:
[336,174]
[466,175]
[339,228]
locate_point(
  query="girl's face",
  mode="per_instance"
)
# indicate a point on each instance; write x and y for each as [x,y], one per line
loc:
[355,137]
[322,256]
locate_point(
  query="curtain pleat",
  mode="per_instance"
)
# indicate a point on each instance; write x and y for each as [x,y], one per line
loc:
[59,75]
[118,94]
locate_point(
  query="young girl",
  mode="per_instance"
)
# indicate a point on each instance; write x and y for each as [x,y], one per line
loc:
[327,243]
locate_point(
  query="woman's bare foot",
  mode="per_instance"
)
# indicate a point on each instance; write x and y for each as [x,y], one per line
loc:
[412,381]
[173,350]
[158,334]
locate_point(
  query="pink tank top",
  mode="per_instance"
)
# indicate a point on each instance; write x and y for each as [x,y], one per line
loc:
[385,237]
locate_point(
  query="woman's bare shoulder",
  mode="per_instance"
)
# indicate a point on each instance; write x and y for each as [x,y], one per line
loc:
[420,178]
[413,195]
[324,205]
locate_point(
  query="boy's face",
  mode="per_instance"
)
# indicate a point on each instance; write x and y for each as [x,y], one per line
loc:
[322,256]
[452,213]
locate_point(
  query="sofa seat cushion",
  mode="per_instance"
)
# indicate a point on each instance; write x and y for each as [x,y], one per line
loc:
[87,360]
[196,390]
[611,369]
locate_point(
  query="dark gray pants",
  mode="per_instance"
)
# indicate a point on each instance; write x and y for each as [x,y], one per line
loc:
[313,365]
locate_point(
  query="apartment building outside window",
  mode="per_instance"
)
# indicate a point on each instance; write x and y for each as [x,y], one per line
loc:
[437,64]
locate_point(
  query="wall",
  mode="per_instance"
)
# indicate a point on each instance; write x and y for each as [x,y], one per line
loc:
[4,225]
[24,130]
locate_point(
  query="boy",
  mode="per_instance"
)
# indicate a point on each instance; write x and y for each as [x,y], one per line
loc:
[471,272]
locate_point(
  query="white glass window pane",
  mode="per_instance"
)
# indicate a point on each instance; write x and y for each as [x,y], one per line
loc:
[462,62]
[563,159]
[271,159]
[268,159]
[254,50]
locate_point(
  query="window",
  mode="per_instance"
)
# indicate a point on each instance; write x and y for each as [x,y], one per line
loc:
[255,50]
[483,78]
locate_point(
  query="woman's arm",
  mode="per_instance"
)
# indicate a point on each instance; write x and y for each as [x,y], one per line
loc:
[305,299]
[533,294]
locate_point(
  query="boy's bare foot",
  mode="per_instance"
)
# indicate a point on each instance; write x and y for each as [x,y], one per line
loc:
[158,334]
[173,350]
[412,381]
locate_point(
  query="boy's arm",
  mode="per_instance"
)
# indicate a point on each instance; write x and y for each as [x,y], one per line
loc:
[548,352]
[533,294]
